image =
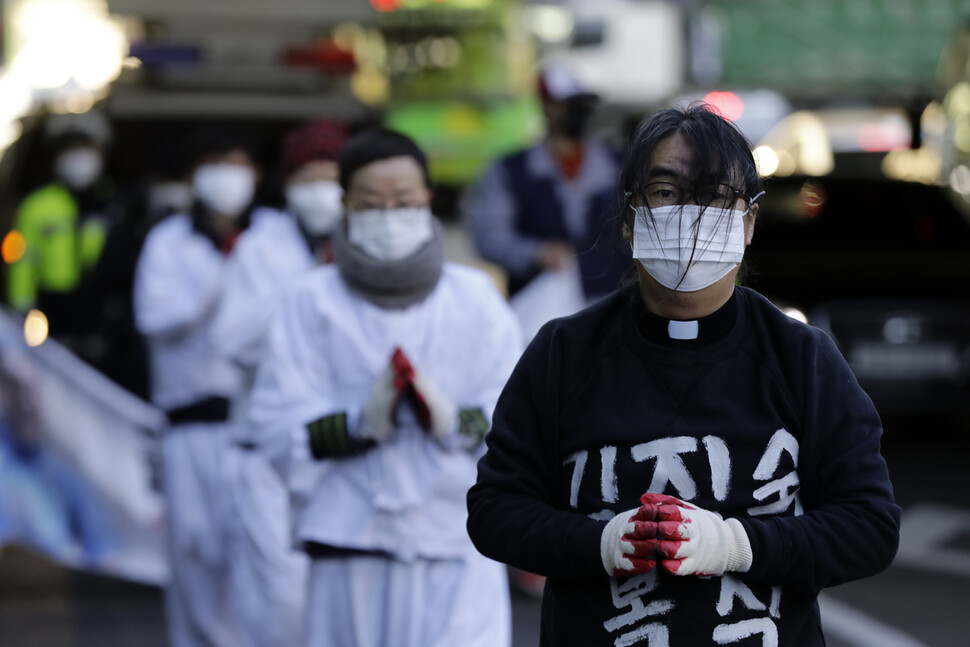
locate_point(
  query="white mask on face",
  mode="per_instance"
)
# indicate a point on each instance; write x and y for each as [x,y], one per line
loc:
[79,167]
[226,189]
[664,244]
[169,197]
[316,204]
[390,234]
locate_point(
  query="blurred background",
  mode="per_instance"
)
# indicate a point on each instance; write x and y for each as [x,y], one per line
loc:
[859,111]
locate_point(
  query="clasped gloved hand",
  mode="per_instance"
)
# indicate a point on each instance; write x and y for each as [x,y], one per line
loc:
[378,415]
[690,540]
[400,381]
[434,412]
[626,546]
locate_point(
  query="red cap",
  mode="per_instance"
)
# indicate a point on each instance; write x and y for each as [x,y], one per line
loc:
[317,140]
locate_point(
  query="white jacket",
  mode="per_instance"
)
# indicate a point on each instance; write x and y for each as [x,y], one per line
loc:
[267,257]
[178,281]
[326,347]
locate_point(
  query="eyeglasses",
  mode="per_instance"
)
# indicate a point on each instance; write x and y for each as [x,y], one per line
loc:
[666,194]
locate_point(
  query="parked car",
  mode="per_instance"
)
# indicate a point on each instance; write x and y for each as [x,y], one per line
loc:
[883,267]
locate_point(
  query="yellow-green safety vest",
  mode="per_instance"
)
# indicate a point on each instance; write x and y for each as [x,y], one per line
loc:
[59,248]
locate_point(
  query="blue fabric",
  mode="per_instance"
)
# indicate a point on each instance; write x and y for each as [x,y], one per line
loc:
[47,505]
[539,215]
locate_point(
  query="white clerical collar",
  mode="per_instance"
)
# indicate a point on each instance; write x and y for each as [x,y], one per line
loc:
[682,329]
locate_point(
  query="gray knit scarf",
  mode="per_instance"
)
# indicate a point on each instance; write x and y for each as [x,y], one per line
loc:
[392,285]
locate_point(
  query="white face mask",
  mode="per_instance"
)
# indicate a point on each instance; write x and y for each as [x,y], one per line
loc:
[316,204]
[225,188]
[664,244]
[390,234]
[169,197]
[79,168]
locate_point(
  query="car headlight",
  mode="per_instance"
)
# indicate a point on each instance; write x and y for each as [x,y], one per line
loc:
[795,313]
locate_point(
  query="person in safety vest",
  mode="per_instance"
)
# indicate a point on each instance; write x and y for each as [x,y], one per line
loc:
[64,225]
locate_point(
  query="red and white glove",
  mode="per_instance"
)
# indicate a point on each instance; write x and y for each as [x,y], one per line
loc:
[626,547]
[378,416]
[440,419]
[434,411]
[691,540]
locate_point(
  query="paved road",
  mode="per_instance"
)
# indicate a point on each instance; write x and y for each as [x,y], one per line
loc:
[924,597]
[43,605]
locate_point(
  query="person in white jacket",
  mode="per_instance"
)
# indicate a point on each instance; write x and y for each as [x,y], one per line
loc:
[372,398]
[268,576]
[178,281]
[279,248]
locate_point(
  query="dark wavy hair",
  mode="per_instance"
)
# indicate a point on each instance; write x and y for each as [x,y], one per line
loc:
[210,140]
[721,155]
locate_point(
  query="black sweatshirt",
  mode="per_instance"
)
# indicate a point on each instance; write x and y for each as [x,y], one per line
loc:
[759,419]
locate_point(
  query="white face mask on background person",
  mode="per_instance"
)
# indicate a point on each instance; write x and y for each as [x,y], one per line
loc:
[390,234]
[169,197]
[688,247]
[225,188]
[316,204]
[78,168]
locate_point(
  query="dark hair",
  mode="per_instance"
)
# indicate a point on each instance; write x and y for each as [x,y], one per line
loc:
[721,154]
[373,145]
[72,139]
[212,140]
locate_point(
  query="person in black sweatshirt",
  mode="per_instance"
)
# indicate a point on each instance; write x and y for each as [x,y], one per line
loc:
[685,464]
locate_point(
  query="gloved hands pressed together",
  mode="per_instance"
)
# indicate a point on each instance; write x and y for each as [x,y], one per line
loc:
[400,380]
[685,540]
[626,547]
[378,416]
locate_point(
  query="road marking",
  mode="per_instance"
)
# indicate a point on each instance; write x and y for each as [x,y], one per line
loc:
[923,535]
[849,625]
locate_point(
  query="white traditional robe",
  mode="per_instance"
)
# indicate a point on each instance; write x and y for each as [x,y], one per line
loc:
[269,255]
[179,278]
[268,576]
[406,497]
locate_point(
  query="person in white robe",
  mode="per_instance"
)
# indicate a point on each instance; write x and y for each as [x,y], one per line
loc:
[178,281]
[373,395]
[268,575]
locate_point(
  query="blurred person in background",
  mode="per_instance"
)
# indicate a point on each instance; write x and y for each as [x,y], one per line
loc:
[686,464]
[283,245]
[544,208]
[179,280]
[166,186]
[543,211]
[65,224]
[268,574]
[312,182]
[163,190]
[372,398]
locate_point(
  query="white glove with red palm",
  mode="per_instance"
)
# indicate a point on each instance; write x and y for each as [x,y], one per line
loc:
[378,416]
[625,547]
[691,540]
[399,380]
[435,413]
[440,418]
